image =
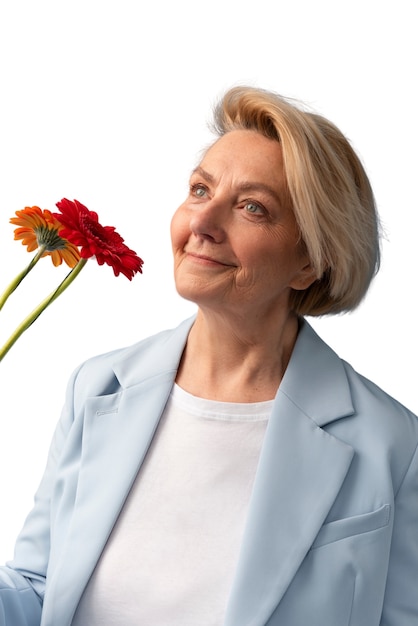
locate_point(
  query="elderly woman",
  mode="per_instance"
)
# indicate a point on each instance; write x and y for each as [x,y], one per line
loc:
[235,471]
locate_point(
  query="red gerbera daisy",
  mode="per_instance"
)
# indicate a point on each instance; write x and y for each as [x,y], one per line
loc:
[82,228]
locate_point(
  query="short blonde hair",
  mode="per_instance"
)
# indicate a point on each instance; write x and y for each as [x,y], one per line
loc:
[330,193]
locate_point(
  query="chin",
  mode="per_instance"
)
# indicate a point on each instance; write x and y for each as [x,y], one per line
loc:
[197,293]
[188,289]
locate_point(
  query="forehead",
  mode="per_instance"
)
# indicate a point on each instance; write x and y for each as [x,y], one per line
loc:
[246,149]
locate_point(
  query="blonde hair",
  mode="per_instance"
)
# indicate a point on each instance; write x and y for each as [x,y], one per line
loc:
[330,193]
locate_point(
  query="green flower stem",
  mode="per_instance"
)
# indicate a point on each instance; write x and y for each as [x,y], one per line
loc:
[16,282]
[32,317]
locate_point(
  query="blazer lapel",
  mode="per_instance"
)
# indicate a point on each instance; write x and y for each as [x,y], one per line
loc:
[300,472]
[117,432]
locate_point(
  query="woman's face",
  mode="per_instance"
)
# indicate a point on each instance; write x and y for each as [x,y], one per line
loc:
[235,239]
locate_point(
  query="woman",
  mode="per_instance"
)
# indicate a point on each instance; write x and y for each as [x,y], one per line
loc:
[234,471]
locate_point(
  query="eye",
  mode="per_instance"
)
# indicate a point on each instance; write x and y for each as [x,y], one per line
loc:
[254,208]
[198,190]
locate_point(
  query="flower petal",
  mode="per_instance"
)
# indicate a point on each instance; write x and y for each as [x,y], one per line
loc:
[81,227]
[39,228]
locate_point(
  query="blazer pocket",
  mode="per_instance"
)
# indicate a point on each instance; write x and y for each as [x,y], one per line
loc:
[350,526]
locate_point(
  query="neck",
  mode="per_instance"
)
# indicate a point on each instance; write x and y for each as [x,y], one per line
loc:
[235,361]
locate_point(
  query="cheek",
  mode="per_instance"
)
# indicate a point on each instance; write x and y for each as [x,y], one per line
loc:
[276,259]
[178,229]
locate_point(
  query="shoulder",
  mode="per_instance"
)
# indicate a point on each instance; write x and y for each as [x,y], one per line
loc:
[349,405]
[382,431]
[367,396]
[384,414]
[329,371]
[110,371]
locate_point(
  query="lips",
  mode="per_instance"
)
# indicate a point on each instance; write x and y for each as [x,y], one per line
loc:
[204,259]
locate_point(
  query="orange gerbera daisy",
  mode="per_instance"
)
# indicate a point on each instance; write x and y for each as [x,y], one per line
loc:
[39,229]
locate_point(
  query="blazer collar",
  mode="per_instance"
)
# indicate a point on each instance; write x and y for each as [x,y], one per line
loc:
[314,380]
[148,359]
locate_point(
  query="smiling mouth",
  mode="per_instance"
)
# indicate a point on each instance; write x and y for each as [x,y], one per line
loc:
[207,260]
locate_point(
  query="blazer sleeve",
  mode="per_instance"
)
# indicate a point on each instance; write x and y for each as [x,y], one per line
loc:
[401,597]
[20,604]
[23,580]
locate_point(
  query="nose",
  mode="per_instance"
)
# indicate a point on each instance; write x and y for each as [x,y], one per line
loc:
[208,221]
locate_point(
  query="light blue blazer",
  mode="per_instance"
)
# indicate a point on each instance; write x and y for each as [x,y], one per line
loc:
[331,537]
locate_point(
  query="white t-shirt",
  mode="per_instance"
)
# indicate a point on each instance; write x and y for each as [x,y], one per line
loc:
[171,557]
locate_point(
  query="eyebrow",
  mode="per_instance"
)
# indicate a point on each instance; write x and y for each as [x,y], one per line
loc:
[203,173]
[245,186]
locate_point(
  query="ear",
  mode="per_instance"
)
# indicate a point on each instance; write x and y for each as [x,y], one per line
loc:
[304,278]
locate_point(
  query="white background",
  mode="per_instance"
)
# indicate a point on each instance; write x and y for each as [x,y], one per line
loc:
[108,101]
